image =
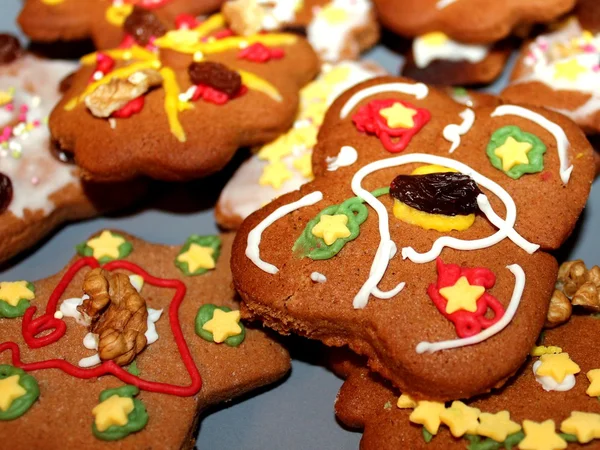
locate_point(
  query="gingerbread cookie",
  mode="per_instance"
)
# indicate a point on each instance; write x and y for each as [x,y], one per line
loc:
[129,342]
[106,22]
[337,29]
[181,106]
[559,70]
[285,164]
[38,191]
[364,254]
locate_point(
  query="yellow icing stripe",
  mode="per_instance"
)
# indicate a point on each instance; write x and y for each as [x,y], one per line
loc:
[230,43]
[124,54]
[123,72]
[213,23]
[258,84]
[172,102]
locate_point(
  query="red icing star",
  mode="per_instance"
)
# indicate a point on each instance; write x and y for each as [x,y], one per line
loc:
[369,120]
[466,323]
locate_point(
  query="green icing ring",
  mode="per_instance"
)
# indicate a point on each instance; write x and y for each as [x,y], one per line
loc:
[11,312]
[137,419]
[22,404]
[206,313]
[213,242]
[124,249]
[535,155]
[316,248]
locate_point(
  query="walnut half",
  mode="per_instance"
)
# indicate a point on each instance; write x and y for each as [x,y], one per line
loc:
[559,311]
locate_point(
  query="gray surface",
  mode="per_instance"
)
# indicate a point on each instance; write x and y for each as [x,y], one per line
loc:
[297,413]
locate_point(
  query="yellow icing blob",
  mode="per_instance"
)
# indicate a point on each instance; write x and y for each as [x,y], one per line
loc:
[116,15]
[52,2]
[434,39]
[122,54]
[258,84]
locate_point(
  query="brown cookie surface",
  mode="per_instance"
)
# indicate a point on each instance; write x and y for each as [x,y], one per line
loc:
[62,416]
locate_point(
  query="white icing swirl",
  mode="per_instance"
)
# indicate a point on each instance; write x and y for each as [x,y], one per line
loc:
[424,53]
[453,132]
[346,157]
[419,90]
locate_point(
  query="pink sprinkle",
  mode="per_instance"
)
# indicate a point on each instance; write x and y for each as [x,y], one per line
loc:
[35,180]
[596,68]
[22,117]
[10,107]
[589,48]
[6,132]
[36,123]
[24,108]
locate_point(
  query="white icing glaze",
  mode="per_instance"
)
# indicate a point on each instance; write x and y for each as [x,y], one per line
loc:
[346,157]
[90,341]
[419,90]
[90,361]
[254,237]
[441,4]
[424,52]
[453,132]
[562,142]
[151,333]
[318,277]
[550,384]
[432,347]
[35,175]
[68,308]
[386,247]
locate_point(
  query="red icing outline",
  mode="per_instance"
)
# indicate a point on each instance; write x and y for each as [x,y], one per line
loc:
[369,120]
[212,95]
[32,327]
[466,323]
[260,53]
[131,108]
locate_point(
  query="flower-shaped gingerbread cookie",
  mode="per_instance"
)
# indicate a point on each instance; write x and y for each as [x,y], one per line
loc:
[424,251]
[106,22]
[181,106]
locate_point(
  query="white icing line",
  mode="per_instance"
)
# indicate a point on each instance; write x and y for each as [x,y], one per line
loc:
[318,277]
[441,4]
[453,132]
[346,157]
[562,142]
[254,237]
[432,347]
[419,90]
[90,361]
[550,384]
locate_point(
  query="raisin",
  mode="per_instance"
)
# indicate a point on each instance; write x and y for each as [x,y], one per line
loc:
[216,75]
[143,25]
[10,48]
[447,193]
[6,192]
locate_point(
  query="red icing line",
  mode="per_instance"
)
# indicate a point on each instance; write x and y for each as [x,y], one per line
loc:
[260,53]
[214,96]
[466,323]
[131,108]
[127,42]
[32,327]
[368,119]
[104,64]
[186,21]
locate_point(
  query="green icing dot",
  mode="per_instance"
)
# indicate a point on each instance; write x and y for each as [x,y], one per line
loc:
[427,436]
[213,242]
[22,404]
[535,155]
[315,248]
[136,420]
[206,313]
[9,311]
[478,443]
[124,249]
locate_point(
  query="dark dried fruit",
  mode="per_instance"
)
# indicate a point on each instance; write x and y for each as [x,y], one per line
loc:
[6,192]
[447,193]
[143,25]
[66,83]
[10,48]
[217,76]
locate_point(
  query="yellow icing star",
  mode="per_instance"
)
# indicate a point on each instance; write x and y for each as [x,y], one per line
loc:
[460,418]
[331,228]
[305,136]
[428,414]
[198,257]
[557,366]
[5,97]
[304,165]
[462,296]
[541,436]
[434,39]
[275,150]
[223,325]
[513,152]
[112,411]
[336,75]
[568,70]
[184,40]
[275,174]
[586,426]
[334,14]
[593,389]
[105,245]
[13,291]
[543,350]
[497,426]
[399,116]
[406,402]
[10,390]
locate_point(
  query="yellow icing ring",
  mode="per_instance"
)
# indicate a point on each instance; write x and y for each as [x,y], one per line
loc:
[123,72]
[122,54]
[258,84]
[427,221]
[116,15]
[172,106]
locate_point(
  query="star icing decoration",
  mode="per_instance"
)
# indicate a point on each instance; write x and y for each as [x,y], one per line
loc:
[112,411]
[512,153]
[106,245]
[593,389]
[462,296]
[428,414]
[399,116]
[275,174]
[198,257]
[10,390]
[331,228]
[541,436]
[223,325]
[304,165]
[460,418]
[557,366]
[12,292]
[406,402]
[497,426]
[569,70]
[586,426]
